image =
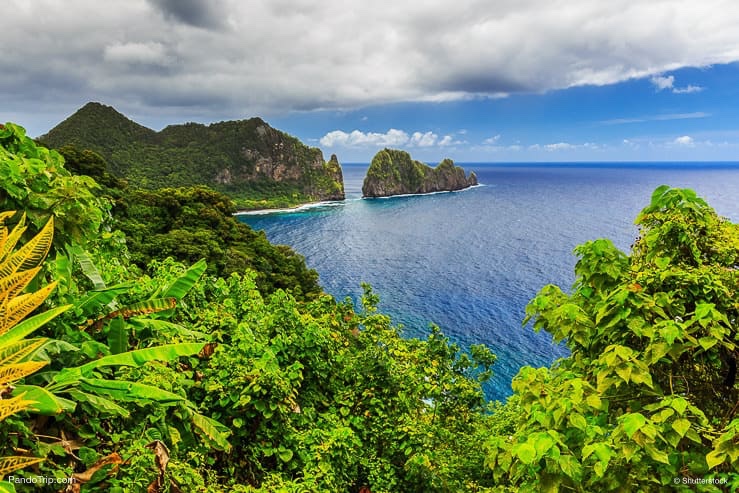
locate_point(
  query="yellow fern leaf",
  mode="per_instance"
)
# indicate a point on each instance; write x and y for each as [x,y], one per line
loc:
[13,353]
[31,254]
[4,216]
[34,252]
[12,285]
[15,462]
[11,373]
[15,405]
[12,239]
[17,308]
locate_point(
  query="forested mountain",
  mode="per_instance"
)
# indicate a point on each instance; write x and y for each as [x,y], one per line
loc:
[255,164]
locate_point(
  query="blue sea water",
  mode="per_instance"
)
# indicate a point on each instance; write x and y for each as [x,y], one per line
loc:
[470,261]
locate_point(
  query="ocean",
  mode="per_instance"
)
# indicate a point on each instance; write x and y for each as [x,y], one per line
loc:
[470,261]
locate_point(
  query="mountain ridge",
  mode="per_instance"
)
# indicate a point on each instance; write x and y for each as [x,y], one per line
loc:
[255,164]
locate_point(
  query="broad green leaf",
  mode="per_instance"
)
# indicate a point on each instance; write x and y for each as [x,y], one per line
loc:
[681,426]
[131,358]
[216,433]
[6,487]
[98,299]
[570,466]
[179,288]
[679,404]
[594,401]
[46,403]
[715,458]
[657,454]
[117,336]
[129,391]
[632,423]
[89,269]
[525,452]
[101,404]
[578,421]
[707,342]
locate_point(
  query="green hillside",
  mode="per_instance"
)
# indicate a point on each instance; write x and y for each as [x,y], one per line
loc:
[255,164]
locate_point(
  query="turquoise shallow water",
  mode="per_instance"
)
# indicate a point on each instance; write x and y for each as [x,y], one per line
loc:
[469,261]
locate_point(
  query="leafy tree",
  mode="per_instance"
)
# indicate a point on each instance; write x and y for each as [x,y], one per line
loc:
[35,181]
[649,391]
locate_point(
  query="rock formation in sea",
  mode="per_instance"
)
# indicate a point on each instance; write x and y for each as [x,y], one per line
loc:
[394,172]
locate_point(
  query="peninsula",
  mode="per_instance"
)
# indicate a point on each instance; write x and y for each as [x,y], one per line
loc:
[394,172]
[257,166]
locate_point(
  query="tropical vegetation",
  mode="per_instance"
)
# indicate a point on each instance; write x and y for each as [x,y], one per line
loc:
[166,372]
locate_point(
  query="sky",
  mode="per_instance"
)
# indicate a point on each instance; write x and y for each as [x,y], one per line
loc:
[472,80]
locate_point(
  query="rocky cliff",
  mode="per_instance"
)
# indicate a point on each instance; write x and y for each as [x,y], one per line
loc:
[394,172]
[246,159]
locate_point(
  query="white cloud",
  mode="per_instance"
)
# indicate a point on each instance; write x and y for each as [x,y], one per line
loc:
[662,83]
[657,118]
[447,140]
[687,90]
[685,141]
[423,139]
[492,140]
[559,146]
[356,138]
[263,57]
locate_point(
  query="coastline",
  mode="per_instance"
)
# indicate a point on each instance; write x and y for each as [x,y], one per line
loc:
[285,210]
[336,203]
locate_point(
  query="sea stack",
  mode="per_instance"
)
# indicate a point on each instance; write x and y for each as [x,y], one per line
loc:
[394,172]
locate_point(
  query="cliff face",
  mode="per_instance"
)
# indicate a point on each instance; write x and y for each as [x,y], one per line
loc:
[245,158]
[394,172]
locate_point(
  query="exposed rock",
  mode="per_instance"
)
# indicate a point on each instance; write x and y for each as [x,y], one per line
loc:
[394,172]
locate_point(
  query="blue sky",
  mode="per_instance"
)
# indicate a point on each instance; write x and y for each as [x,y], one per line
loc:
[686,114]
[479,80]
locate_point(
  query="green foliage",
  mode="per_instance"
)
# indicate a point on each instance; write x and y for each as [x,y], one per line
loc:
[649,392]
[191,223]
[33,180]
[339,399]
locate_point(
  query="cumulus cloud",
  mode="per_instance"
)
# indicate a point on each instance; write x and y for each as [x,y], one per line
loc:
[355,138]
[391,138]
[426,139]
[685,141]
[492,140]
[662,83]
[230,58]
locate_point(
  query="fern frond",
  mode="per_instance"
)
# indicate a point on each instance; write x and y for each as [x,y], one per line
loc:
[17,308]
[12,239]
[31,254]
[34,252]
[15,352]
[4,216]
[15,462]
[11,373]
[9,407]
[15,283]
